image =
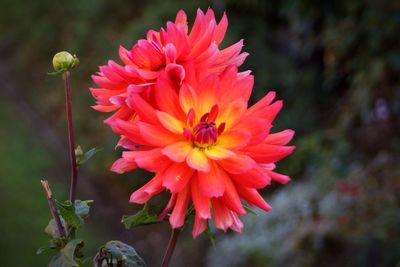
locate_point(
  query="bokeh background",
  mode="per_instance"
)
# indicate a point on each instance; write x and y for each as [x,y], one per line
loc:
[336,64]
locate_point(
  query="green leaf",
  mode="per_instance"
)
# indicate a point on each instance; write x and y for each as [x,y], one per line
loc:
[125,253]
[67,211]
[250,210]
[82,157]
[141,218]
[209,235]
[69,255]
[82,209]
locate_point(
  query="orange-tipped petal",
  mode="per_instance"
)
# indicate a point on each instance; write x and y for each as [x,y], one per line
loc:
[198,160]
[170,123]
[178,151]
[218,152]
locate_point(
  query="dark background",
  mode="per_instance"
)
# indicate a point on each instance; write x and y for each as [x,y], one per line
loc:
[336,64]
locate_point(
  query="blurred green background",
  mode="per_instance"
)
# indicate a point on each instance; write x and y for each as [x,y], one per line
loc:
[336,64]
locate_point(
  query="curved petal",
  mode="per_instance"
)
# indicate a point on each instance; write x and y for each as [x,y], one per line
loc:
[222,216]
[143,194]
[218,152]
[266,153]
[156,135]
[177,151]
[198,160]
[178,215]
[199,225]
[201,202]
[170,123]
[211,184]
[151,160]
[234,139]
[255,178]
[253,197]
[176,177]
[237,164]
[281,138]
[231,198]
[122,165]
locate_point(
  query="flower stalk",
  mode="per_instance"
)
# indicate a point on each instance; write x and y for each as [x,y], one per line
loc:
[71,139]
[53,208]
[171,247]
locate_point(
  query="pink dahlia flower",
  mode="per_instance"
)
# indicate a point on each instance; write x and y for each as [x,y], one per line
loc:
[169,52]
[206,146]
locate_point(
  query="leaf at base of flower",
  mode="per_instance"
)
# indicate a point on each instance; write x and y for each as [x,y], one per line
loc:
[143,217]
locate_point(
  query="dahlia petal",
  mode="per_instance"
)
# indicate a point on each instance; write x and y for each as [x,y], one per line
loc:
[129,130]
[142,108]
[234,139]
[122,165]
[266,153]
[170,123]
[170,53]
[211,184]
[155,135]
[176,73]
[151,160]
[182,19]
[220,30]
[143,194]
[168,208]
[257,177]
[257,127]
[281,138]
[237,164]
[222,217]
[124,54]
[199,226]
[277,177]
[177,151]
[253,198]
[198,160]
[176,177]
[218,152]
[167,98]
[102,108]
[231,198]
[178,215]
[263,102]
[237,224]
[201,203]
[187,97]
[232,113]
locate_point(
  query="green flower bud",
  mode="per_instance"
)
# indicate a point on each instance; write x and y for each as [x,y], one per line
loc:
[64,61]
[78,154]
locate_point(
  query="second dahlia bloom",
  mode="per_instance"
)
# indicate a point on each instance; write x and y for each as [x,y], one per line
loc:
[168,52]
[206,147]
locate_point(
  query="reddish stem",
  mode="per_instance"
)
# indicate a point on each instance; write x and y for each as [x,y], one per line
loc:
[171,247]
[74,167]
[53,208]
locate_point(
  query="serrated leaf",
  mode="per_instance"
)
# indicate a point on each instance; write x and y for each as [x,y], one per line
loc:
[67,211]
[82,209]
[250,210]
[141,218]
[124,253]
[209,235]
[83,157]
[67,257]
